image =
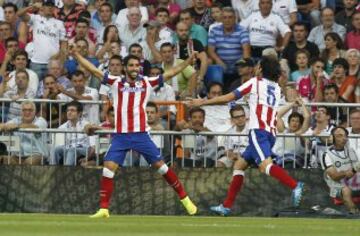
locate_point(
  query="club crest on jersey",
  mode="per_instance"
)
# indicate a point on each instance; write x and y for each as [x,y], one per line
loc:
[138,84]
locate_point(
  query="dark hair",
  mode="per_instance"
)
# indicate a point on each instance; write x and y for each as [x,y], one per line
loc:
[302,51]
[82,20]
[270,68]
[106,4]
[342,62]
[116,57]
[49,76]
[236,107]
[24,72]
[152,104]
[85,14]
[130,57]
[316,59]
[196,109]
[111,109]
[135,45]
[300,23]
[78,73]
[332,86]
[162,9]
[106,31]
[10,4]
[336,37]
[296,115]
[166,44]
[20,52]
[216,5]
[10,39]
[186,11]
[336,128]
[74,103]
[326,109]
[214,83]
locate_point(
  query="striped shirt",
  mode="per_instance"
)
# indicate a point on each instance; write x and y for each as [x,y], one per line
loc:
[129,101]
[69,19]
[264,98]
[229,46]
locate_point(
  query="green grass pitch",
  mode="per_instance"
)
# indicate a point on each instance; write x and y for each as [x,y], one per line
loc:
[81,225]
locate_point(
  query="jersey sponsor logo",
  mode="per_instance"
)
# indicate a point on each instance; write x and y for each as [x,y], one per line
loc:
[46,33]
[132,89]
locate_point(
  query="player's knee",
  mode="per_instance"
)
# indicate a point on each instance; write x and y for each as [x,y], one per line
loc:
[346,192]
[238,172]
[163,169]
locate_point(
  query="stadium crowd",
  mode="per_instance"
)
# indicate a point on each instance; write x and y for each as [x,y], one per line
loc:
[316,43]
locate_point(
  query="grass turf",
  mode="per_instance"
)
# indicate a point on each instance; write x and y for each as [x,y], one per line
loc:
[79,225]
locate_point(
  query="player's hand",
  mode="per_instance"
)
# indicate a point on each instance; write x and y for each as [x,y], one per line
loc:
[349,174]
[194,102]
[37,5]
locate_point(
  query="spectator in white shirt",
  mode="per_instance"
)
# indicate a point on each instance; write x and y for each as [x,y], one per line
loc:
[81,92]
[77,145]
[354,129]
[122,18]
[49,36]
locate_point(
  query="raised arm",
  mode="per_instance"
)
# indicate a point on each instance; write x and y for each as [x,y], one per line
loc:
[177,69]
[307,116]
[216,100]
[22,13]
[86,64]
[281,112]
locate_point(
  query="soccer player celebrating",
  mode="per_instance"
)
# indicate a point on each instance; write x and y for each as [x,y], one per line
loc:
[130,96]
[264,97]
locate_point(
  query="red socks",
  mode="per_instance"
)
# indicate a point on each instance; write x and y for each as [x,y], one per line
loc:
[281,175]
[106,187]
[234,188]
[173,181]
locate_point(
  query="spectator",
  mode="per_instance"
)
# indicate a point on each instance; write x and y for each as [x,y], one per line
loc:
[163,93]
[69,13]
[10,11]
[21,90]
[122,18]
[5,29]
[81,92]
[216,14]
[82,32]
[217,116]
[33,146]
[328,25]
[300,33]
[345,83]
[354,129]
[353,58]
[185,45]
[264,28]
[228,43]
[290,150]
[338,162]
[173,10]
[244,8]
[235,145]
[323,127]
[132,32]
[19,60]
[196,31]
[352,39]
[137,50]
[56,68]
[287,10]
[49,36]
[77,145]
[310,87]
[184,83]
[162,16]
[11,46]
[203,150]
[245,71]
[344,16]
[309,11]
[51,111]
[102,17]
[302,63]
[151,46]
[337,114]
[201,13]
[82,46]
[333,49]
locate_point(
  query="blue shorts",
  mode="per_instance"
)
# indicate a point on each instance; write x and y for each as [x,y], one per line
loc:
[260,145]
[139,142]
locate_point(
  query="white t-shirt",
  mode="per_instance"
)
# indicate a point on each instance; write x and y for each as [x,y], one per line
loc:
[90,111]
[47,35]
[284,8]
[122,19]
[33,80]
[1,14]
[243,8]
[264,31]
[217,118]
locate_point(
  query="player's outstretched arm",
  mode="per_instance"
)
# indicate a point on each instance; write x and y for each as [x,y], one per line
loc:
[85,63]
[216,100]
[177,69]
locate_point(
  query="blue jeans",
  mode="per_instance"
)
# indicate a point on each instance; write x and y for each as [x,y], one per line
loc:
[68,155]
[40,69]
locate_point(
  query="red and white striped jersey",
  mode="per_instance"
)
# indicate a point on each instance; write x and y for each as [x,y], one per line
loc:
[264,98]
[129,101]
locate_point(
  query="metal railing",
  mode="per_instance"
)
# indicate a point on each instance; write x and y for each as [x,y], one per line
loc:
[203,149]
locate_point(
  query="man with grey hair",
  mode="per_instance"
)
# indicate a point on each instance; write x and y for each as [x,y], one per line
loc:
[33,147]
[123,19]
[132,32]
